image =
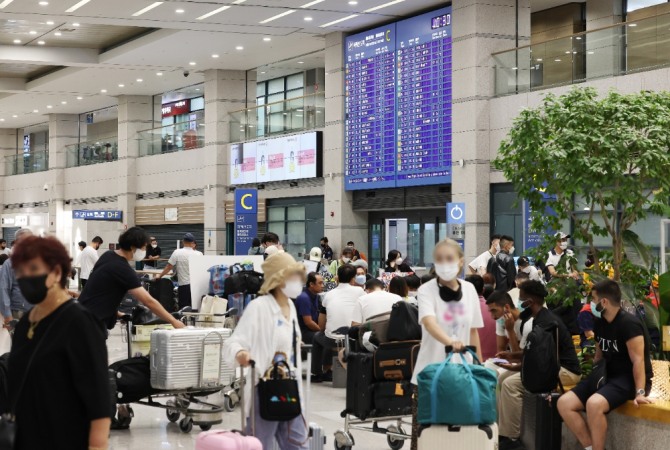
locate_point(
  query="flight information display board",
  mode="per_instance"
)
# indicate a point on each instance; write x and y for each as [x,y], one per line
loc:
[398,104]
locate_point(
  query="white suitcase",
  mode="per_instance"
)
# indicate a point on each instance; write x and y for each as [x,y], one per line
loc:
[483,437]
[177,357]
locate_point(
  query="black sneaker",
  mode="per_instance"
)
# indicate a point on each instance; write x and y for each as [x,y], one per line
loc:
[506,443]
[317,378]
[328,376]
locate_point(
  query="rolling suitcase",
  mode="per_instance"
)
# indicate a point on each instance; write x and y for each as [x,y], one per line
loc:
[392,398]
[360,367]
[177,357]
[395,360]
[541,426]
[482,437]
[226,440]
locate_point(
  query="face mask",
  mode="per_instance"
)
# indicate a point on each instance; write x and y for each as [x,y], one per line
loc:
[361,279]
[501,321]
[292,289]
[447,271]
[346,260]
[154,245]
[564,245]
[139,254]
[497,248]
[524,305]
[34,289]
[323,245]
[398,261]
[511,250]
[597,309]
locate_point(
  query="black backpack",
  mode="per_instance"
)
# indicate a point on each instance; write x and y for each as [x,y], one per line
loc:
[540,366]
[243,282]
[404,323]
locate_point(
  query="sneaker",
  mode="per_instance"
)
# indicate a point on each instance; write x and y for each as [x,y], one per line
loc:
[328,376]
[506,443]
[317,378]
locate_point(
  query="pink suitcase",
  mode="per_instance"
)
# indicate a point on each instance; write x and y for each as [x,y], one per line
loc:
[226,440]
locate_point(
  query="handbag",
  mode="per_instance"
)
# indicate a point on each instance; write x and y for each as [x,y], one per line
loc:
[8,420]
[279,393]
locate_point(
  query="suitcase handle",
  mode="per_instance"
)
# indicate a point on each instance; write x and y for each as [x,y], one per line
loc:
[449,349]
[243,384]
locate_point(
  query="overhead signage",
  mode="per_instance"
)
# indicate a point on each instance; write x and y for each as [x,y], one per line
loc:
[246,219]
[285,158]
[94,214]
[456,222]
[176,108]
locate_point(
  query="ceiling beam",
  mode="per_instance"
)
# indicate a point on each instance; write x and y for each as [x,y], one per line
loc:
[12,85]
[48,56]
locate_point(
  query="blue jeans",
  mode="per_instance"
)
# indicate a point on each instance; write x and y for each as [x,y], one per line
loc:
[291,435]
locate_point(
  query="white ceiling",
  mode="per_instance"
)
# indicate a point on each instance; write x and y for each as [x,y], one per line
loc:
[180,39]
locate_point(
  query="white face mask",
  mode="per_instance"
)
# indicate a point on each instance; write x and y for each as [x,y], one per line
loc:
[139,254]
[346,260]
[154,245]
[498,248]
[399,260]
[511,250]
[564,245]
[447,271]
[361,279]
[293,288]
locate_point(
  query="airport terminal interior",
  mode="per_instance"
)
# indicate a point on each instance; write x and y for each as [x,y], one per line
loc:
[348,135]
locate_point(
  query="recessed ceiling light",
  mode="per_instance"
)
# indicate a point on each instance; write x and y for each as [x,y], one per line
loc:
[43,3]
[557,60]
[315,2]
[353,3]
[50,22]
[104,91]
[80,98]
[63,102]
[41,42]
[301,62]
[215,55]
[14,116]
[2,120]
[278,16]
[159,74]
[148,8]
[76,6]
[36,111]
[58,34]
[239,47]
[338,21]
[632,25]
[122,85]
[5,3]
[192,63]
[179,11]
[32,32]
[139,80]
[262,73]
[11,20]
[308,19]
[75,24]
[49,106]
[267,39]
[17,41]
[197,89]
[394,2]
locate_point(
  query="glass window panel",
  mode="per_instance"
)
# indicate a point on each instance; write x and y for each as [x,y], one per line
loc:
[296,213]
[276,214]
[429,241]
[276,85]
[260,89]
[295,81]
[295,93]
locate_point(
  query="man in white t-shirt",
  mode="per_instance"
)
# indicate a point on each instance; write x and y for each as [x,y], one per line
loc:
[479,264]
[179,261]
[525,267]
[376,301]
[509,330]
[557,254]
[89,256]
[337,311]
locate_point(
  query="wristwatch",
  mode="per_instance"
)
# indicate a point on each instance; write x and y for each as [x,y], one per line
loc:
[641,392]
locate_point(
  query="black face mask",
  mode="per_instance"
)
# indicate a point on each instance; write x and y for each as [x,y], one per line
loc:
[449,295]
[34,288]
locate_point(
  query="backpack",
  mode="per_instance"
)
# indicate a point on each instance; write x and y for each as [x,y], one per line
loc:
[540,366]
[243,282]
[404,322]
[217,278]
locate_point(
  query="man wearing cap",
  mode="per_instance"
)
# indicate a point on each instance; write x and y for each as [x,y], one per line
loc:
[179,261]
[525,267]
[557,254]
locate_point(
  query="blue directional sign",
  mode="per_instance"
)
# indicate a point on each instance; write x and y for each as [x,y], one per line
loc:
[96,214]
[246,219]
[456,213]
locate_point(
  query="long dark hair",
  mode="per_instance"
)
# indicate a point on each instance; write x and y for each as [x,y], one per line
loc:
[392,256]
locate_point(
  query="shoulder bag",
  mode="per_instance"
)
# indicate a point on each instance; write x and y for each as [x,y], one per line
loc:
[8,421]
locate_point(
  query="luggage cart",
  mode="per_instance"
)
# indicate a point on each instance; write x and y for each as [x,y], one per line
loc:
[184,404]
[395,433]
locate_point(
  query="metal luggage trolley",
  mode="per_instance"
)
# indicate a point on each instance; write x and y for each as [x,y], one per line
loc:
[395,434]
[184,404]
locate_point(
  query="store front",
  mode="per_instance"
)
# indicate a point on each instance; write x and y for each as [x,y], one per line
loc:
[12,222]
[182,115]
[169,223]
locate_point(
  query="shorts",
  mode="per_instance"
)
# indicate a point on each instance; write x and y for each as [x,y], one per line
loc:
[617,391]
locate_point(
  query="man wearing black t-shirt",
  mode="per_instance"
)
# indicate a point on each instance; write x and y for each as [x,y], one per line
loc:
[620,340]
[153,254]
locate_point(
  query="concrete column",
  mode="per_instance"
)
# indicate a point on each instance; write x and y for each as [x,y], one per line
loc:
[341,223]
[225,91]
[480,27]
[63,132]
[7,149]
[604,48]
[135,114]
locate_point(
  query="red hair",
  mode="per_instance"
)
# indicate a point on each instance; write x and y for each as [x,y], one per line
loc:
[49,249]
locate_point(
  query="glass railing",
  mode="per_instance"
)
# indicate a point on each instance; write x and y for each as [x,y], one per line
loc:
[27,163]
[616,50]
[92,152]
[286,116]
[180,136]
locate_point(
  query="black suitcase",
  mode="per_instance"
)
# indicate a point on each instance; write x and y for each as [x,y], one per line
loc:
[133,379]
[395,360]
[359,384]
[541,425]
[163,291]
[392,398]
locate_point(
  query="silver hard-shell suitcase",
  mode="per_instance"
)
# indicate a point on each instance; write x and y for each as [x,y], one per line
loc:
[177,357]
[483,437]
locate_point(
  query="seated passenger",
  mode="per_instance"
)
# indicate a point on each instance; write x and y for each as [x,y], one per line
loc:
[525,267]
[511,329]
[510,400]
[620,341]
[345,258]
[336,312]
[487,334]
[398,286]
[361,277]
[521,277]
[307,306]
[413,283]
[395,263]
[376,301]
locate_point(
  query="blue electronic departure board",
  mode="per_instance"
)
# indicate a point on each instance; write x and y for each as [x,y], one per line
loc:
[398,104]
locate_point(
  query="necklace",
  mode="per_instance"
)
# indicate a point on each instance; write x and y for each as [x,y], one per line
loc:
[31,329]
[33,325]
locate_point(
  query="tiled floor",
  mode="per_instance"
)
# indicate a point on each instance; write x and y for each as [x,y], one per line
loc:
[150,429]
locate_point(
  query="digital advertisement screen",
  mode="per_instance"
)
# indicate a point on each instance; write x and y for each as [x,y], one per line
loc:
[398,104]
[281,159]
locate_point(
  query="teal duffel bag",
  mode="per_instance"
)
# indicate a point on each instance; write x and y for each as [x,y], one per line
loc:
[457,394]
